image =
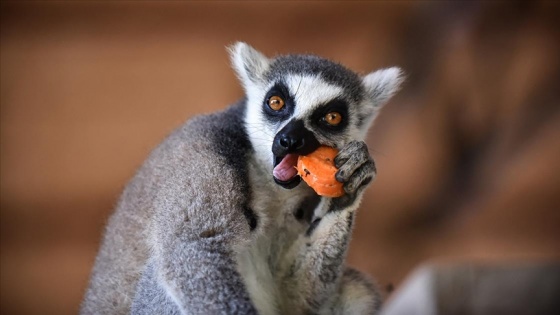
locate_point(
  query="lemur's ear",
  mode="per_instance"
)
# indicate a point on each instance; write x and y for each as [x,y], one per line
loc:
[250,64]
[382,84]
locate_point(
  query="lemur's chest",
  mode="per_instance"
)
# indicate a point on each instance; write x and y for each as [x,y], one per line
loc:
[261,263]
[283,216]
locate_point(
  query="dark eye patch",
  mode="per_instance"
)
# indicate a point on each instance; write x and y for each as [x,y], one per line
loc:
[336,105]
[279,89]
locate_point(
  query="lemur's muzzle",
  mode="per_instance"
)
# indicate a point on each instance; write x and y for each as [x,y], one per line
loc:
[289,143]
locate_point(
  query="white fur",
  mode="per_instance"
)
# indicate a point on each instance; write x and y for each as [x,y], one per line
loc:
[310,92]
[382,84]
[259,132]
[171,293]
[275,206]
[249,64]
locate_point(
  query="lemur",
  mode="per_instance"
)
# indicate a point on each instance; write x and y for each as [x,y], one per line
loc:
[217,221]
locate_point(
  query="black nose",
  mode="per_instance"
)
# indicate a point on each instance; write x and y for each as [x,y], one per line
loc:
[290,143]
[294,138]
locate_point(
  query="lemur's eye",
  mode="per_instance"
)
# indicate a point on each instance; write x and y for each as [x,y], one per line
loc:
[333,118]
[276,102]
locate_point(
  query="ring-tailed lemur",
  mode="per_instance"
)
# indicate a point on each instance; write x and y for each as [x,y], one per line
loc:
[216,221]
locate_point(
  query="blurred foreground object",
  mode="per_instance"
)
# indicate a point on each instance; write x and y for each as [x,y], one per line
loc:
[479,289]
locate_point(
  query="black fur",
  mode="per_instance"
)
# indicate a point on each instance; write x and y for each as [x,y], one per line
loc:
[305,211]
[312,227]
[251,217]
[338,105]
[279,89]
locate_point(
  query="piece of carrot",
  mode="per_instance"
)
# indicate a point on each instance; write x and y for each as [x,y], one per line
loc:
[317,170]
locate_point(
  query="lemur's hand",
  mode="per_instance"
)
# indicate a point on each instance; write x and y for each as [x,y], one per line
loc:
[356,169]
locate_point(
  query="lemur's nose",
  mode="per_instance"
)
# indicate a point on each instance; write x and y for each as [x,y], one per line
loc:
[290,143]
[294,138]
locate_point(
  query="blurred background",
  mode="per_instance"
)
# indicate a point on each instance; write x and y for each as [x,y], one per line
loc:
[468,153]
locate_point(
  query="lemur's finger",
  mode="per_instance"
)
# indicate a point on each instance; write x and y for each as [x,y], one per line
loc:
[357,157]
[361,177]
[348,151]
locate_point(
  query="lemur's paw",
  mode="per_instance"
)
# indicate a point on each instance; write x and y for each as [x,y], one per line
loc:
[356,169]
[355,166]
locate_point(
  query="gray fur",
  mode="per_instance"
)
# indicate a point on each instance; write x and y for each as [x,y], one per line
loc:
[203,228]
[166,215]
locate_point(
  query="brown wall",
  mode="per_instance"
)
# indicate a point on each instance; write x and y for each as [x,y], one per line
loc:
[468,153]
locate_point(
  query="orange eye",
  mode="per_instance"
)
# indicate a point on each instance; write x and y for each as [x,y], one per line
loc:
[276,102]
[333,118]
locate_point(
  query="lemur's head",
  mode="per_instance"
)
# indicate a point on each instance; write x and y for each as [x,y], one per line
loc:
[296,103]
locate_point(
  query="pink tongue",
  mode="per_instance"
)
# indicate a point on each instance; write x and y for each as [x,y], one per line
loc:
[286,169]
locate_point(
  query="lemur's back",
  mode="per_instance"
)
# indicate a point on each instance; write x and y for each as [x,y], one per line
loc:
[173,164]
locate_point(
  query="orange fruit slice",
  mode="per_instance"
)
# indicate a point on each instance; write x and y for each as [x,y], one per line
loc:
[317,170]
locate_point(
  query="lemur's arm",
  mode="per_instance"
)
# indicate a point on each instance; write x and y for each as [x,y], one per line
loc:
[198,224]
[197,277]
[315,264]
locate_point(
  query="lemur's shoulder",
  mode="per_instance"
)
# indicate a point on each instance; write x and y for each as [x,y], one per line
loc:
[200,170]
[223,132]
[209,141]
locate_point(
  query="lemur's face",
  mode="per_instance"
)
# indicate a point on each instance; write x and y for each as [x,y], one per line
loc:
[297,103]
[298,113]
